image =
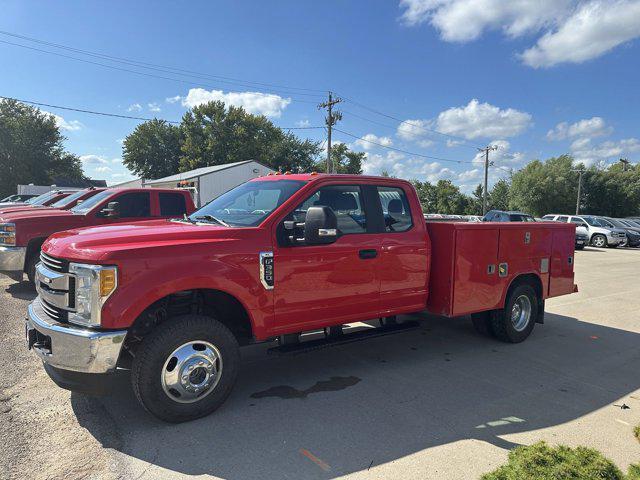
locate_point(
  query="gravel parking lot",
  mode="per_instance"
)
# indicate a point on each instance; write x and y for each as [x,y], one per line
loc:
[435,402]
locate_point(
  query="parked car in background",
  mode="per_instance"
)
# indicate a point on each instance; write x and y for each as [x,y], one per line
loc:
[599,235]
[22,233]
[505,216]
[43,200]
[18,198]
[630,222]
[63,203]
[633,233]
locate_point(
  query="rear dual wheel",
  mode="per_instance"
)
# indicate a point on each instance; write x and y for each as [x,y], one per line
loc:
[515,322]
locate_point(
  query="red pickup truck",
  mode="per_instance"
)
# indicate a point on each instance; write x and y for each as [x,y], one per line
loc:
[23,232]
[172,300]
[44,200]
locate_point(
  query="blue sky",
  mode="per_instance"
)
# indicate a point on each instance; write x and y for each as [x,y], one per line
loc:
[536,78]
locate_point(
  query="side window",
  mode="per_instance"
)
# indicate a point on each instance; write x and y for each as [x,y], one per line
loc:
[135,204]
[395,208]
[346,203]
[172,205]
[562,218]
[548,217]
[576,220]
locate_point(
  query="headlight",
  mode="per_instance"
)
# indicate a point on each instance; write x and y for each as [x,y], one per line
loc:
[94,285]
[7,234]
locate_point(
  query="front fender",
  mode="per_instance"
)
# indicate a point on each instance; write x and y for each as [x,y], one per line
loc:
[143,282]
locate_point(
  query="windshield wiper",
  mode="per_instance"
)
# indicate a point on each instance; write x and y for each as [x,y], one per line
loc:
[211,218]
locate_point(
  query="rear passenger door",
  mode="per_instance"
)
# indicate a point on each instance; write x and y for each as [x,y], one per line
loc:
[405,258]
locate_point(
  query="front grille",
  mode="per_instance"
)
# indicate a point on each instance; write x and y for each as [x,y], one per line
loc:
[54,264]
[55,313]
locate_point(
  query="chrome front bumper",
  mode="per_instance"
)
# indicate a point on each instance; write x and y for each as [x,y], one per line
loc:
[69,347]
[12,259]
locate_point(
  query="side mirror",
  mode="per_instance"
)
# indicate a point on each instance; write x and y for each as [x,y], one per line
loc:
[319,228]
[111,211]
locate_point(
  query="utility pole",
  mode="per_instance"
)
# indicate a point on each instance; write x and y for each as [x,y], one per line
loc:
[486,151]
[625,163]
[580,173]
[331,119]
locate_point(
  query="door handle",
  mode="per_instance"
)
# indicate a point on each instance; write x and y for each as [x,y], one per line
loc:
[368,253]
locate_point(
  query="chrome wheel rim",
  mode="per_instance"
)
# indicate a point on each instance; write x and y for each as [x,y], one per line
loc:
[598,241]
[191,372]
[521,313]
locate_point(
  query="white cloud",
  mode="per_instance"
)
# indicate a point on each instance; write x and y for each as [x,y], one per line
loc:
[303,123]
[398,165]
[370,140]
[502,158]
[482,120]
[103,169]
[587,128]
[470,175]
[595,28]
[425,143]
[413,129]
[62,124]
[154,107]
[93,160]
[584,152]
[116,160]
[135,107]
[266,104]
[567,30]
[175,99]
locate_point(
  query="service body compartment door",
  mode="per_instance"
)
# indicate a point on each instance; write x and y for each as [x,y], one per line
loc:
[562,256]
[476,279]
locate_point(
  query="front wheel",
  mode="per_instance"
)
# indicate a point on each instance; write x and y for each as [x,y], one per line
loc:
[579,247]
[186,368]
[599,240]
[30,268]
[515,322]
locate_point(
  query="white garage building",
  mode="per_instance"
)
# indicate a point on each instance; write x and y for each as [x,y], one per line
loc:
[207,183]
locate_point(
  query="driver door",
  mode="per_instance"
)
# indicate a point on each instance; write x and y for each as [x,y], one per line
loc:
[337,283]
[134,206]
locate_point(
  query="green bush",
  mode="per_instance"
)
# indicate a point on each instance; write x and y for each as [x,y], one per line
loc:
[542,462]
[634,471]
[636,432]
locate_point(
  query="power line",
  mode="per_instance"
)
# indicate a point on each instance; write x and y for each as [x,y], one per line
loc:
[401,150]
[145,74]
[405,122]
[116,115]
[158,66]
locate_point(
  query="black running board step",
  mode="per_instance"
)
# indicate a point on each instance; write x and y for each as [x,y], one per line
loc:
[308,346]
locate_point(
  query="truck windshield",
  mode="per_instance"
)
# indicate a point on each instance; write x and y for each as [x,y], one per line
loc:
[248,204]
[89,203]
[41,199]
[63,202]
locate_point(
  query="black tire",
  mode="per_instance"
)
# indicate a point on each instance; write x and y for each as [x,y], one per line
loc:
[156,349]
[600,240]
[502,326]
[579,247]
[30,268]
[482,323]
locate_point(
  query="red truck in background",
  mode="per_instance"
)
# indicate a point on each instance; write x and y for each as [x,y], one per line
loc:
[23,232]
[172,300]
[44,200]
[66,202]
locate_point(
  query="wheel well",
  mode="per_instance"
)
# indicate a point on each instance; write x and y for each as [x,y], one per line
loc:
[213,303]
[33,248]
[527,279]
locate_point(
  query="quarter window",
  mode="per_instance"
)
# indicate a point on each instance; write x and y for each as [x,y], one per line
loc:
[395,208]
[346,203]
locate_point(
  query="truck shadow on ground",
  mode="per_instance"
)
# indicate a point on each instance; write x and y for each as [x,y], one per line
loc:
[381,400]
[22,290]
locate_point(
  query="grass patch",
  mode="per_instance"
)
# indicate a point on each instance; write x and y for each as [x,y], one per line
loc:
[636,432]
[543,462]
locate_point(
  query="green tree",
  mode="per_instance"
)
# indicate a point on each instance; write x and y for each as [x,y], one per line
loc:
[449,199]
[31,149]
[499,195]
[214,134]
[344,160]
[152,150]
[545,187]
[612,192]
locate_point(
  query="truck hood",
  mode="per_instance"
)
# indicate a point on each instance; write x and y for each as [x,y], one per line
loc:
[20,208]
[34,213]
[107,241]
